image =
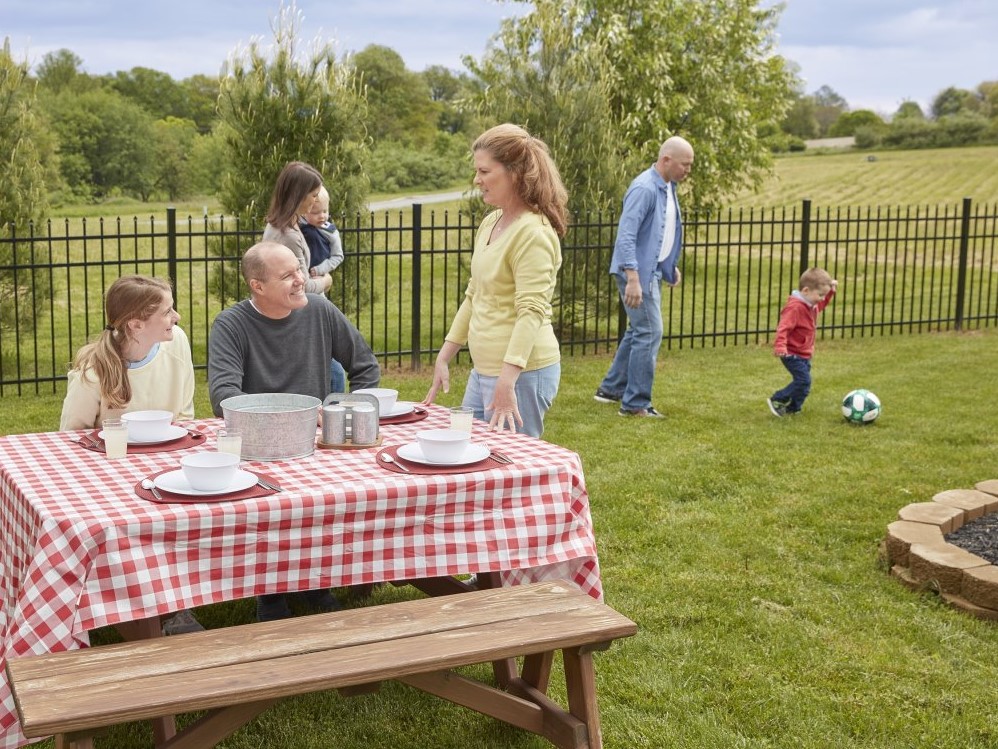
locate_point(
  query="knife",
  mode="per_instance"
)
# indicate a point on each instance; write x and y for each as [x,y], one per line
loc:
[267,485]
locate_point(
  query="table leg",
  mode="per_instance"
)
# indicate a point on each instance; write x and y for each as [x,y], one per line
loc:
[164,728]
[505,669]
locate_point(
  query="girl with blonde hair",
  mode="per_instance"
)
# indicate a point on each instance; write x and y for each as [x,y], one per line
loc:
[505,318]
[140,361]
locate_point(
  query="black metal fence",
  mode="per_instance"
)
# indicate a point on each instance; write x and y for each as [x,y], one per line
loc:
[900,270]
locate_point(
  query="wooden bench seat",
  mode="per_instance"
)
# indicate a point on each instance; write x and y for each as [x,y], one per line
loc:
[237,672]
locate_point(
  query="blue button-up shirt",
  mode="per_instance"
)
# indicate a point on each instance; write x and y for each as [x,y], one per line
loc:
[641,227]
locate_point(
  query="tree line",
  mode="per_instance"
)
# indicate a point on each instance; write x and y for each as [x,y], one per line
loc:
[600,81]
[956,117]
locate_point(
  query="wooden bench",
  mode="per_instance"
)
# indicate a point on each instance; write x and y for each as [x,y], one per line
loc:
[237,672]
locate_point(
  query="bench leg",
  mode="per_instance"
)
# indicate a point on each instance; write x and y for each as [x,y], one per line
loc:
[164,728]
[217,725]
[580,680]
[64,741]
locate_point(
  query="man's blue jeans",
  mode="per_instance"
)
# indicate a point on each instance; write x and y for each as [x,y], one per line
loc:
[632,373]
[795,393]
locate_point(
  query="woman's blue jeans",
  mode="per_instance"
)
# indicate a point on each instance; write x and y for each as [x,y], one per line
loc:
[535,391]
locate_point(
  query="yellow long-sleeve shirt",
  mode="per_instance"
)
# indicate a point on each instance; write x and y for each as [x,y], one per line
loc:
[506,313]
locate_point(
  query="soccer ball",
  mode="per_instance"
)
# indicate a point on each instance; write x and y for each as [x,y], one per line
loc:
[860,406]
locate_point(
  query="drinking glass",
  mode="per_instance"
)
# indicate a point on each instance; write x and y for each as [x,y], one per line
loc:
[461,418]
[229,440]
[115,437]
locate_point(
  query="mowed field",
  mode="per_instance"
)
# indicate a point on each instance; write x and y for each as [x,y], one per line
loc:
[942,176]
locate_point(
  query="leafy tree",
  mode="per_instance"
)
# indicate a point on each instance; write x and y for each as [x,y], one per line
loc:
[107,143]
[828,107]
[849,122]
[207,163]
[909,110]
[954,101]
[278,106]
[156,92]
[174,142]
[704,70]
[200,98]
[399,105]
[450,90]
[60,71]
[800,119]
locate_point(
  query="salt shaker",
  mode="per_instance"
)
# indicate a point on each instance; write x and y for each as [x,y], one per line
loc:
[365,424]
[334,425]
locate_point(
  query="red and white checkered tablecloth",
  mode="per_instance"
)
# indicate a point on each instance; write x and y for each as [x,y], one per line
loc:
[79,550]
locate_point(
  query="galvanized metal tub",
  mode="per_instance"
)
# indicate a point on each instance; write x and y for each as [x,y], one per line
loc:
[275,426]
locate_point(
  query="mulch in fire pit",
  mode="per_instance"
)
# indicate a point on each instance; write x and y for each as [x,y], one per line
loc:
[979,537]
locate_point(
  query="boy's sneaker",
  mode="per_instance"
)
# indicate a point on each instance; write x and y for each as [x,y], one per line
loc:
[604,397]
[777,408]
[643,412]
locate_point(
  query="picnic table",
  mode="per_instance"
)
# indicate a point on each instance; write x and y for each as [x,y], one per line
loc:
[81,549]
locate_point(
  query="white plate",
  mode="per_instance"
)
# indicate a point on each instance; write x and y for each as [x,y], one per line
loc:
[474,452]
[176,483]
[401,409]
[173,432]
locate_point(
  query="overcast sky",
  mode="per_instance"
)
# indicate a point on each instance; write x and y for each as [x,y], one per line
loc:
[874,53]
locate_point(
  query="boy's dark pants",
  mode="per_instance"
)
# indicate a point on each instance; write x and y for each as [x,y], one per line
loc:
[795,393]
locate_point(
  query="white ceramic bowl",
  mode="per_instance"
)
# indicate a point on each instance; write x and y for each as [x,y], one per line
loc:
[443,445]
[386,398]
[146,426]
[211,471]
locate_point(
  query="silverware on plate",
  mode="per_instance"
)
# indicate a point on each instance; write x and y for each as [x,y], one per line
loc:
[499,457]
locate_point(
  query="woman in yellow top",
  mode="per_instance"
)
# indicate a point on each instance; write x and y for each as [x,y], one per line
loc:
[505,317]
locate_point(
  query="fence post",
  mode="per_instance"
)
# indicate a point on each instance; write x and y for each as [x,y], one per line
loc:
[961,278]
[171,248]
[417,273]
[805,240]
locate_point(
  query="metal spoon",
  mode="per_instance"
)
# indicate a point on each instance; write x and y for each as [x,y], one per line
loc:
[387,457]
[148,484]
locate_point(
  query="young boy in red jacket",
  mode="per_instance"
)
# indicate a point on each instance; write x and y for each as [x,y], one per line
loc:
[795,335]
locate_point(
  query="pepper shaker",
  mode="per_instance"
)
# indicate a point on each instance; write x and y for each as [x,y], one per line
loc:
[365,424]
[334,425]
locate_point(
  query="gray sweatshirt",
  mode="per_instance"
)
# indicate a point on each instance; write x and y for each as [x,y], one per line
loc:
[251,353]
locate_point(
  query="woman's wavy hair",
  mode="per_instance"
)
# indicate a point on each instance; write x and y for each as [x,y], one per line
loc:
[296,180]
[128,298]
[535,175]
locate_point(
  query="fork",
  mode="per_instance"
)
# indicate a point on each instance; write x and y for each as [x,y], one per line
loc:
[498,456]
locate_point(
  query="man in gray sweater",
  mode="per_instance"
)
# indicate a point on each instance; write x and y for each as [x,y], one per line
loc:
[281,339]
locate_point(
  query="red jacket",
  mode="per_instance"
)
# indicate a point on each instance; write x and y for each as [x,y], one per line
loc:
[798,324]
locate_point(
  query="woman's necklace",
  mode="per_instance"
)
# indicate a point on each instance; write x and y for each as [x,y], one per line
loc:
[503,223]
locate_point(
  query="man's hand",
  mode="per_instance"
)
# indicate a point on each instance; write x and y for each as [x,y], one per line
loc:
[632,291]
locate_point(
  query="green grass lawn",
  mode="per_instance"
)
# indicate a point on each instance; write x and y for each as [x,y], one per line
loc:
[745,547]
